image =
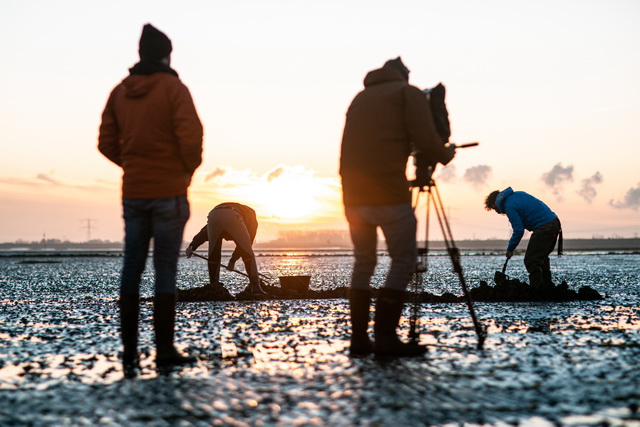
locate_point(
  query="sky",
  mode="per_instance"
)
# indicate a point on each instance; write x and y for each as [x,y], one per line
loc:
[549,88]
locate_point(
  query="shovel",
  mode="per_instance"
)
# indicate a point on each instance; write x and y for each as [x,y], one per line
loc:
[263,276]
[500,276]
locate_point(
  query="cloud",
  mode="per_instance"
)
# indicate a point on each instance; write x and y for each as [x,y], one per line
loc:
[216,173]
[631,200]
[275,173]
[47,178]
[557,176]
[478,175]
[588,190]
[447,173]
[44,181]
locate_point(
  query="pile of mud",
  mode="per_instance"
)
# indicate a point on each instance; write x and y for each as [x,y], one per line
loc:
[514,290]
[508,290]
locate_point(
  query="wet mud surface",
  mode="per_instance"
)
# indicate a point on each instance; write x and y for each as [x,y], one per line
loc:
[285,361]
[505,290]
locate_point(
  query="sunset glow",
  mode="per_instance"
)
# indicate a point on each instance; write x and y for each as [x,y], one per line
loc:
[554,106]
[287,200]
[282,195]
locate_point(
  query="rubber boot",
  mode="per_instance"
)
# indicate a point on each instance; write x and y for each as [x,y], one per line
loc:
[256,290]
[216,289]
[129,315]
[388,311]
[359,302]
[536,281]
[547,280]
[164,316]
[214,273]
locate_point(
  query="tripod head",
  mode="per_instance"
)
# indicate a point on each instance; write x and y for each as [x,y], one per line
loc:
[425,168]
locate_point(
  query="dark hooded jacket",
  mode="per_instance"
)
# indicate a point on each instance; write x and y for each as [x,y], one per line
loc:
[385,123]
[151,129]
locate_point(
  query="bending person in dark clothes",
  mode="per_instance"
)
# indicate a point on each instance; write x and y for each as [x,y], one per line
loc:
[526,212]
[230,221]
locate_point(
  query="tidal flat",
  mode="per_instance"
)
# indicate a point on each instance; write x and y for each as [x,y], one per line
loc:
[286,362]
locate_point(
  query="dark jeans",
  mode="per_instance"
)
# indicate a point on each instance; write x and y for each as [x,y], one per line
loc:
[536,259]
[163,220]
[398,223]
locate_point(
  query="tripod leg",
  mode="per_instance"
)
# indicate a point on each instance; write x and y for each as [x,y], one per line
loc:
[454,254]
[421,268]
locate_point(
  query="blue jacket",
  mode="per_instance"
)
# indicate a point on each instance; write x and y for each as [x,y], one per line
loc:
[524,212]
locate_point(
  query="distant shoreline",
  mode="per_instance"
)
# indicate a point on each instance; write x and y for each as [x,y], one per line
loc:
[114,248]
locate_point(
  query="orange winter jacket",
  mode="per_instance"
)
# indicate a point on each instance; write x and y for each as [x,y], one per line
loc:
[151,129]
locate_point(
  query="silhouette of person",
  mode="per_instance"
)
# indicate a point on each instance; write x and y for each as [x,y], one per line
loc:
[150,128]
[236,222]
[526,212]
[385,123]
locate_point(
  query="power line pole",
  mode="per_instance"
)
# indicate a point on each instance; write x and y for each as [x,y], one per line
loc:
[88,227]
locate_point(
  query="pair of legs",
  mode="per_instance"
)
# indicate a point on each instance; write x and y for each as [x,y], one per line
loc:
[398,224]
[162,220]
[536,258]
[226,223]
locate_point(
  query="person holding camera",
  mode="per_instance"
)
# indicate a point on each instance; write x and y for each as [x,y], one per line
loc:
[385,123]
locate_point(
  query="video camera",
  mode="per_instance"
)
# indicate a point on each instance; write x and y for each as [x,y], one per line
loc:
[424,167]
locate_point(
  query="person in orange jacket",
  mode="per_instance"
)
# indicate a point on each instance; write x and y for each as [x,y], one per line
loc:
[150,128]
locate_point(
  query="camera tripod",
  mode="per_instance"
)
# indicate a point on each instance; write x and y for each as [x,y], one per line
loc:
[433,198]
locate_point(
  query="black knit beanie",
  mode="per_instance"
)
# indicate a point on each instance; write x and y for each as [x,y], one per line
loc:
[154,44]
[397,63]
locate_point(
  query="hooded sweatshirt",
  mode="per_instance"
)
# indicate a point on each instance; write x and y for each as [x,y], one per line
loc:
[151,129]
[385,123]
[524,212]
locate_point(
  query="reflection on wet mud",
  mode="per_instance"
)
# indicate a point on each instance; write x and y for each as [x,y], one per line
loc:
[285,362]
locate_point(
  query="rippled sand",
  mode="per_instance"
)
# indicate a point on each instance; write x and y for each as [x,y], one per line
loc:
[285,362]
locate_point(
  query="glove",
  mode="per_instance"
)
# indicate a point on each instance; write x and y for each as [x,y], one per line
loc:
[189,251]
[450,150]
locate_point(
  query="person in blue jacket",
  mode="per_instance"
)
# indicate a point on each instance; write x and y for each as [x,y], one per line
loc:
[525,212]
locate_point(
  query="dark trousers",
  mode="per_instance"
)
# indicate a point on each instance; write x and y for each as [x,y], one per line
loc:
[162,220]
[536,259]
[228,224]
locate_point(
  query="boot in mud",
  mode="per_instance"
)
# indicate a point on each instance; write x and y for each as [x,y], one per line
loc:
[256,289]
[388,312]
[537,285]
[129,314]
[214,272]
[253,292]
[547,280]
[215,289]
[164,316]
[218,292]
[359,302]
